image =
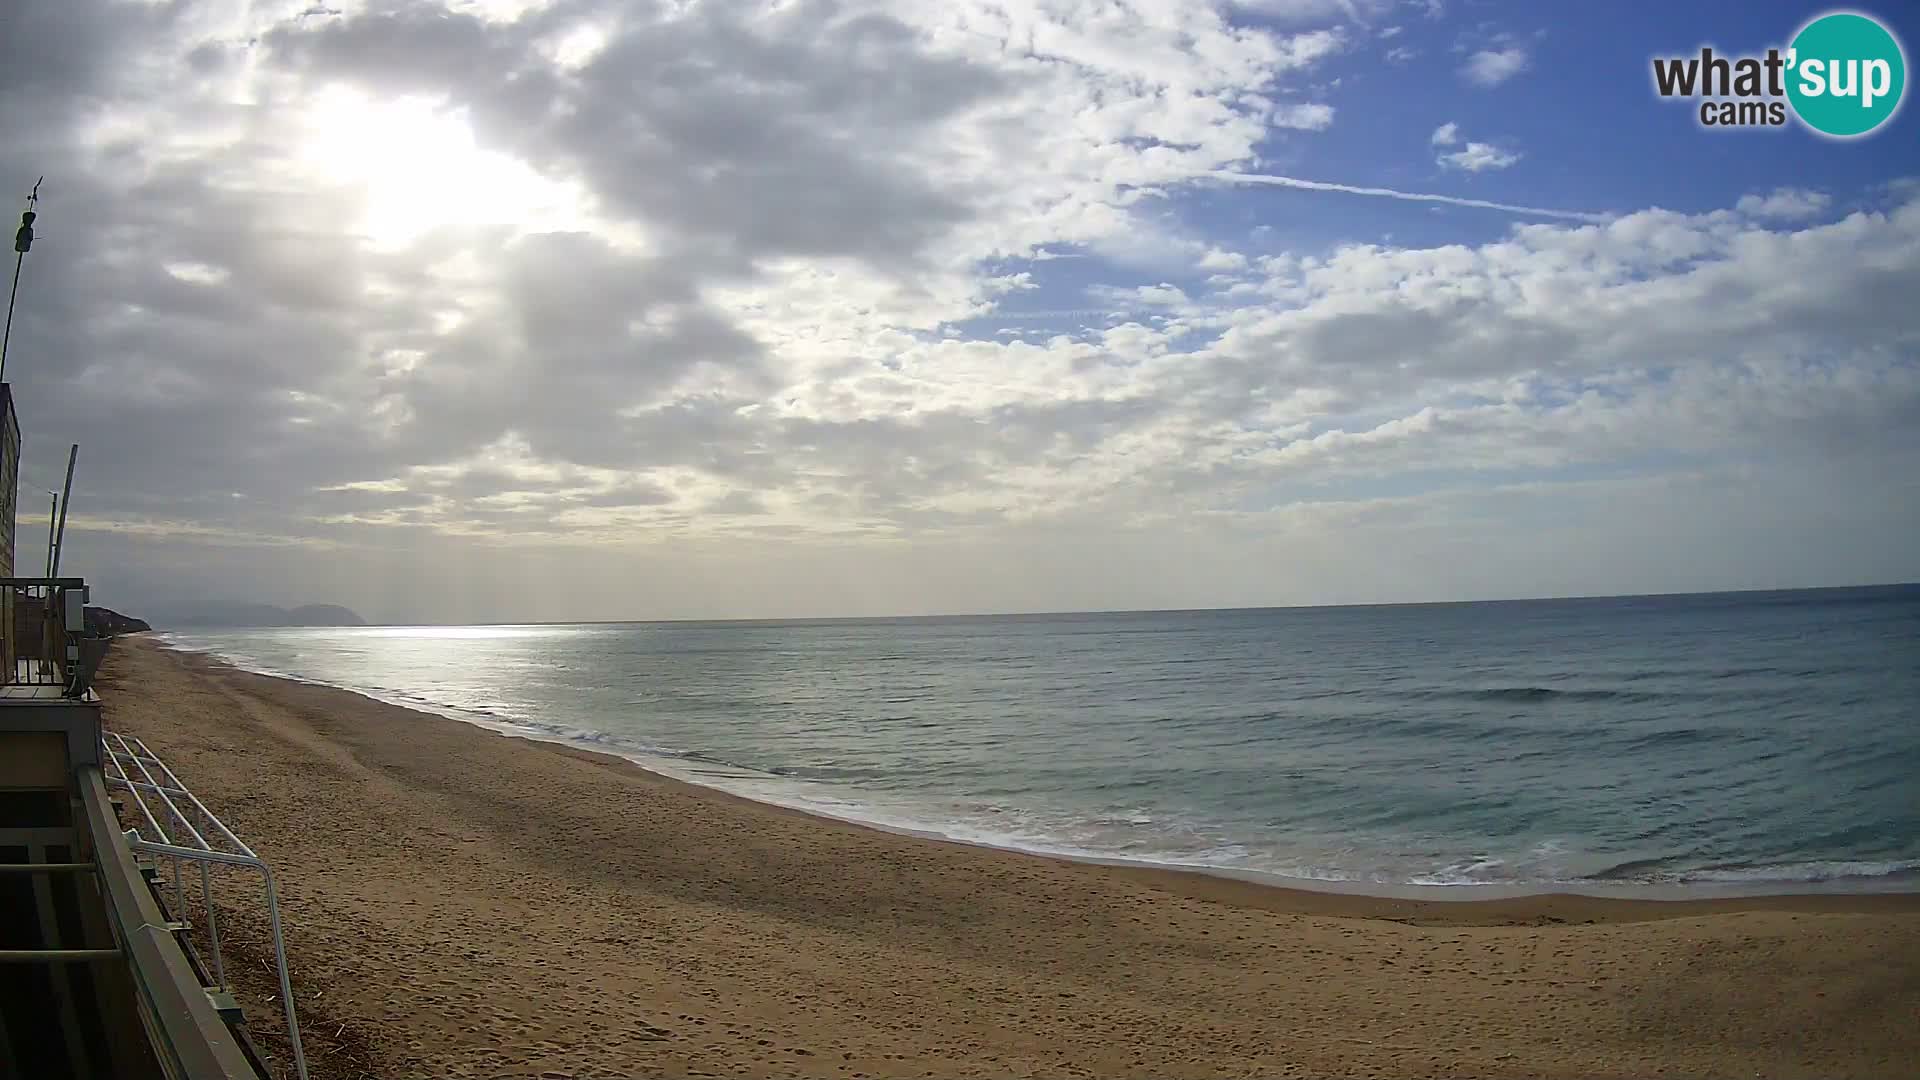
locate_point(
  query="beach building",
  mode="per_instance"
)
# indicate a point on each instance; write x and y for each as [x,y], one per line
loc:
[100,848]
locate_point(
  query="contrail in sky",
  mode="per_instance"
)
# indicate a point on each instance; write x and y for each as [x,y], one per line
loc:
[1411,196]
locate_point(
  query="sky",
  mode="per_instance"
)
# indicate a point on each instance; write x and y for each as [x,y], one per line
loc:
[511,310]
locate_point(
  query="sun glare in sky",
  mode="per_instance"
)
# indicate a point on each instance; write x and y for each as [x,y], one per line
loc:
[414,166]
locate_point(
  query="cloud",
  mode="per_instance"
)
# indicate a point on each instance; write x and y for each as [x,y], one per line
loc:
[1491,67]
[1473,156]
[1161,295]
[1785,204]
[1305,50]
[1303,117]
[696,316]
[1314,11]
[1401,55]
[1218,259]
[1480,157]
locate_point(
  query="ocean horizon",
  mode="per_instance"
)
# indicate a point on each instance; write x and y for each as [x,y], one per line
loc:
[197,623]
[1747,741]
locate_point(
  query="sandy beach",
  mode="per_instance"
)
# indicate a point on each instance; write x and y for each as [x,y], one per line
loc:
[463,904]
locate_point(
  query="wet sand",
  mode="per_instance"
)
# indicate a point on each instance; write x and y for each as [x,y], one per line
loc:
[463,904]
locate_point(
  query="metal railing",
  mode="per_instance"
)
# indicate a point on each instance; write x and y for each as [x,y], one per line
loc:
[46,632]
[203,839]
[187,1034]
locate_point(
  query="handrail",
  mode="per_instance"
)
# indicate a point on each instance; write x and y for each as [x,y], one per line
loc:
[185,1029]
[42,956]
[119,750]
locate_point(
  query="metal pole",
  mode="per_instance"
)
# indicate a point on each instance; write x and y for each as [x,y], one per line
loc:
[52,513]
[213,927]
[47,636]
[7,337]
[286,981]
[66,499]
[162,850]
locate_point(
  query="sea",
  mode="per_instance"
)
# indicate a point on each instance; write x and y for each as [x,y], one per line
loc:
[1729,742]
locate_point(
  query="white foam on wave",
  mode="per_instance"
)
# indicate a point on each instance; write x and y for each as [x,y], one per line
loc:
[1791,873]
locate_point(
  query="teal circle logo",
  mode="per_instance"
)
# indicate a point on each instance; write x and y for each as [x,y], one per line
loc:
[1846,74]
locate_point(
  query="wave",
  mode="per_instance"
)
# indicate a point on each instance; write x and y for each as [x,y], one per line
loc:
[1532,694]
[1535,693]
[1673,737]
[1510,732]
[1641,869]
[1824,871]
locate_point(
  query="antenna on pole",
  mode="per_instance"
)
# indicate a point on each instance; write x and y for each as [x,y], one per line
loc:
[22,243]
[66,497]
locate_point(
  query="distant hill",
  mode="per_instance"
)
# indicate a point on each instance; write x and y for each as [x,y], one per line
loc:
[324,615]
[106,622]
[268,615]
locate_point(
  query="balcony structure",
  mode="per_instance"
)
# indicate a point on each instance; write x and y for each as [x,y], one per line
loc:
[99,972]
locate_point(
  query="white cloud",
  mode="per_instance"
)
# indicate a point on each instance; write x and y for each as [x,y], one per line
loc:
[1785,204]
[1473,156]
[1303,117]
[1218,259]
[1161,295]
[1312,11]
[1401,55]
[1305,50]
[1491,67]
[1480,157]
[758,348]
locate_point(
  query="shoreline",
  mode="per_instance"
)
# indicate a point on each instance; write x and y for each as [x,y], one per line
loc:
[1415,908]
[462,906]
[1716,894]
